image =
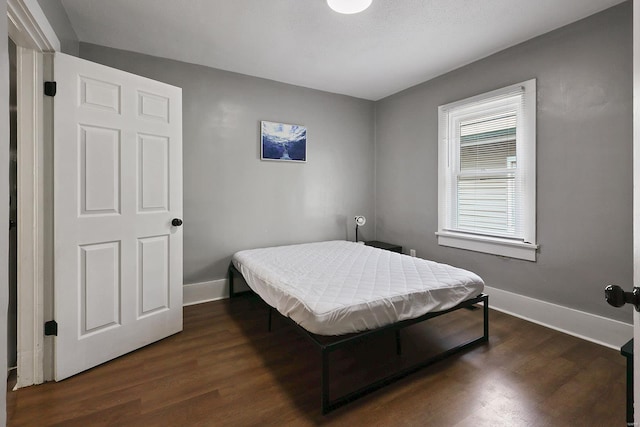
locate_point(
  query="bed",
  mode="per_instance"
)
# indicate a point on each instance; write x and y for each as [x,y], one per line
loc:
[349,292]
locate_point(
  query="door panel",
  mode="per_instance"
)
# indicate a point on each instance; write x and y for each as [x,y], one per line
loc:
[99,286]
[99,170]
[117,186]
[98,94]
[153,153]
[154,281]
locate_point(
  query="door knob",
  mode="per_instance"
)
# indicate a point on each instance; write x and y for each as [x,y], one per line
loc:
[616,297]
[176,222]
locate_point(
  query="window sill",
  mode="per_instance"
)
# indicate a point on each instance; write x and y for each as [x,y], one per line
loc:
[490,245]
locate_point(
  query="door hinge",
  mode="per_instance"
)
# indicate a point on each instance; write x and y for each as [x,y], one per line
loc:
[50,88]
[51,328]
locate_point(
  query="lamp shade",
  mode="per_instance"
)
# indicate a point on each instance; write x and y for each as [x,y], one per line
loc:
[349,6]
[360,220]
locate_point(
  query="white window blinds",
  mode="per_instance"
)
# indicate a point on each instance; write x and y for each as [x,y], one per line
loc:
[488,171]
[486,190]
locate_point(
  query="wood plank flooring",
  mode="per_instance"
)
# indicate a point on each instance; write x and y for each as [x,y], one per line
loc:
[225,369]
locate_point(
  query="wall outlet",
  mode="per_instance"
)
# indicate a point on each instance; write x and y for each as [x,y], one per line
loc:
[412,252]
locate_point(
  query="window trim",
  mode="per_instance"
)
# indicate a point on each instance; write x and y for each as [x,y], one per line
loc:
[490,245]
[526,248]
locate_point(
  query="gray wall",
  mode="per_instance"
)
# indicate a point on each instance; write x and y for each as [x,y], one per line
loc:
[57,17]
[584,163]
[235,201]
[4,195]
[232,199]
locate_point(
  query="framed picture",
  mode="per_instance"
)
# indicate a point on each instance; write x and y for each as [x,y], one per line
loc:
[280,141]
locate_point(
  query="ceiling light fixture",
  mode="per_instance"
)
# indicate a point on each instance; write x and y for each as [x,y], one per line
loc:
[349,6]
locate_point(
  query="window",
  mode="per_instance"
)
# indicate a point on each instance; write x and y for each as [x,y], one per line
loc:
[487,172]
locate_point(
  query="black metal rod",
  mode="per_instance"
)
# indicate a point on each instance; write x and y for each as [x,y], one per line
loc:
[341,401]
[231,273]
[326,349]
[402,324]
[370,388]
[486,317]
[361,336]
[324,382]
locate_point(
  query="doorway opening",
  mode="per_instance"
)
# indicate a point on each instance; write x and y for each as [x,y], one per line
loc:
[12,316]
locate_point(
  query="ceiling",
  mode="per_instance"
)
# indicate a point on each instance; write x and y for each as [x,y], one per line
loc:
[391,46]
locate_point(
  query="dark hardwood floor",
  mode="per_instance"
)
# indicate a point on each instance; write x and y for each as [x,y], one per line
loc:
[226,369]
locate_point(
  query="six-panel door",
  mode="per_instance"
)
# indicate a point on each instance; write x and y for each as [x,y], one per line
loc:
[117,187]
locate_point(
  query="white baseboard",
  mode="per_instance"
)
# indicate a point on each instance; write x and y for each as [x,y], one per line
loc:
[197,293]
[600,330]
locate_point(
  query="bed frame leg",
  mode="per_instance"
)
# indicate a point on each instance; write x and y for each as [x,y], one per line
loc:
[398,343]
[486,318]
[325,381]
[231,293]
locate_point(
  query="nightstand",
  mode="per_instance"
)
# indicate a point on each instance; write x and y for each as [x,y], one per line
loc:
[383,245]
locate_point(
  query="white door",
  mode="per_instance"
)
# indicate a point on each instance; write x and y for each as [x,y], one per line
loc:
[117,189]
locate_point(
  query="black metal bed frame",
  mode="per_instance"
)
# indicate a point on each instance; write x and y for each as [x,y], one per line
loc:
[326,348]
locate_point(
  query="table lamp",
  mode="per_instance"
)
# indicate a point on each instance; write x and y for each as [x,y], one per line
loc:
[360,221]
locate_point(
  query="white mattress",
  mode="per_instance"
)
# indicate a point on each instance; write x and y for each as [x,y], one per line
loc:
[339,287]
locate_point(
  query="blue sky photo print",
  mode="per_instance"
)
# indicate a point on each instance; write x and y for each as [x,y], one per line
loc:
[284,142]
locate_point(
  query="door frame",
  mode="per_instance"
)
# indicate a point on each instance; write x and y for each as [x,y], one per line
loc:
[32,33]
[636,200]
